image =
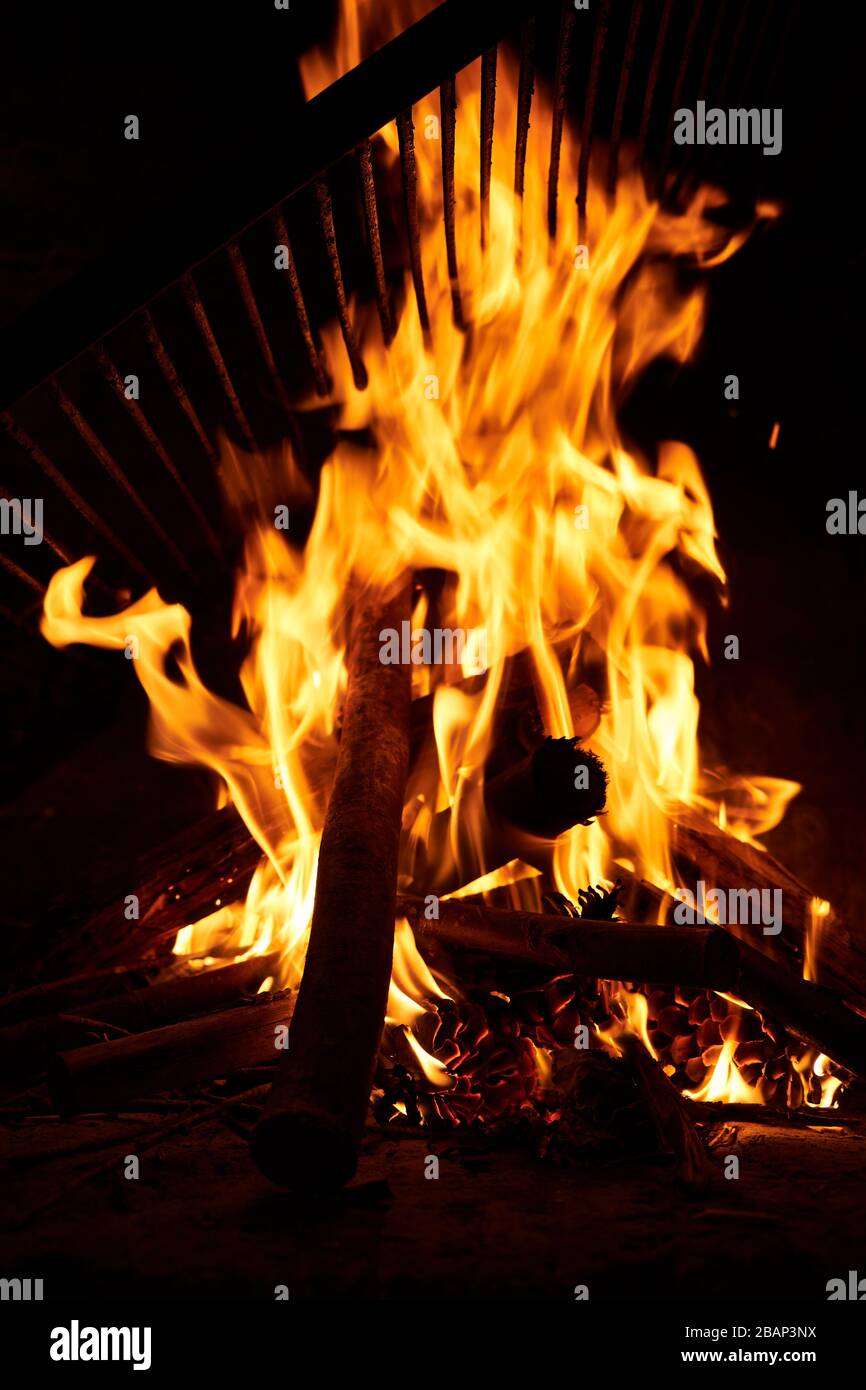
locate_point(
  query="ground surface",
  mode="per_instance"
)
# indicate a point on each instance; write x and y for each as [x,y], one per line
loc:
[201,1223]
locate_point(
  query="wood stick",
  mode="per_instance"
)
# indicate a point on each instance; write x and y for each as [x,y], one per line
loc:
[68,992]
[606,950]
[314,1118]
[170,1058]
[25,1046]
[702,850]
[672,1122]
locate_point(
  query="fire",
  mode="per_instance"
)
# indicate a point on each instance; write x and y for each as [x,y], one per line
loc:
[499,463]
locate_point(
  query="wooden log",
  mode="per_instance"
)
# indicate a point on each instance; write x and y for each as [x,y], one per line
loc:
[314,1118]
[702,850]
[181,1054]
[819,1016]
[26,1046]
[699,956]
[69,992]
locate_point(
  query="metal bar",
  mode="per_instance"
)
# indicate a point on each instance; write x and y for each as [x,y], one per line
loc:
[326,215]
[242,280]
[42,461]
[364,154]
[112,376]
[676,95]
[406,137]
[767,17]
[333,124]
[621,95]
[59,550]
[560,88]
[170,373]
[114,471]
[197,309]
[728,71]
[652,80]
[691,156]
[488,114]
[317,362]
[448,116]
[8,563]
[602,25]
[525,88]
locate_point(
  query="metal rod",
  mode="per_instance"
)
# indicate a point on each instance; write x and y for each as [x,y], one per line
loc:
[652,80]
[448,116]
[326,215]
[525,88]
[406,137]
[317,363]
[8,563]
[676,95]
[560,88]
[42,461]
[112,375]
[333,124]
[488,114]
[242,280]
[364,155]
[736,41]
[46,535]
[197,309]
[170,373]
[96,447]
[602,24]
[621,95]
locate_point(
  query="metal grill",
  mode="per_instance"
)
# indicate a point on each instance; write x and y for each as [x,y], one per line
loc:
[222,346]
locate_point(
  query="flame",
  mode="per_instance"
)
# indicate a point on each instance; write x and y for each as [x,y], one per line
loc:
[500,462]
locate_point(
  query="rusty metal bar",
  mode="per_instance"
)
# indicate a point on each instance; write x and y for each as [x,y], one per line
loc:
[197,309]
[364,154]
[488,115]
[525,89]
[602,25]
[114,471]
[326,215]
[170,373]
[59,550]
[560,89]
[448,117]
[652,80]
[9,564]
[242,280]
[406,137]
[43,462]
[317,362]
[113,377]
[621,95]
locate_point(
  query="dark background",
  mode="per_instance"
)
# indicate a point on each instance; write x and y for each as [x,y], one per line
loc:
[216,86]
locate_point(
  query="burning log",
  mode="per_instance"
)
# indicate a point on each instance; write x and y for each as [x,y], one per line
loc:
[702,850]
[181,1054]
[68,992]
[25,1046]
[315,1114]
[606,950]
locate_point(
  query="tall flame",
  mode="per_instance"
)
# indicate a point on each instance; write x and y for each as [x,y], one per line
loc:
[499,459]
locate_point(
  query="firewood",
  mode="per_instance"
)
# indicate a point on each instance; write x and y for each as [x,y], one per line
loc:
[702,850]
[70,991]
[314,1118]
[674,1126]
[606,950]
[171,1058]
[25,1046]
